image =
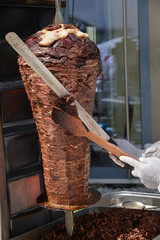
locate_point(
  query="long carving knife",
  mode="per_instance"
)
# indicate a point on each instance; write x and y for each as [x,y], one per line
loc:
[22,49]
[75,126]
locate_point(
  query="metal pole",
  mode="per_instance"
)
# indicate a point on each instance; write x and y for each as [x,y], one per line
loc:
[126,72]
[126,66]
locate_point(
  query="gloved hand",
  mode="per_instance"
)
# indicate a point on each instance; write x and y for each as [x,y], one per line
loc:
[152,150]
[128,148]
[147,169]
[116,160]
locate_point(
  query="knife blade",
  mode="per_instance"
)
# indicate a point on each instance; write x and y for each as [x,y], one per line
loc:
[76,126]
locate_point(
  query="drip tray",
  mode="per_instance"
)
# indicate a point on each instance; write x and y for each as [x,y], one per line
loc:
[115,199]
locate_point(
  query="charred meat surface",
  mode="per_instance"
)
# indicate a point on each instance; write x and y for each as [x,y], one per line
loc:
[74,60]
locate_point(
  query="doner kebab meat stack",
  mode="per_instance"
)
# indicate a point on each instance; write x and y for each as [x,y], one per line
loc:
[74,60]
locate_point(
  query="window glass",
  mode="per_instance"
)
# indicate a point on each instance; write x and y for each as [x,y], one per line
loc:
[23,193]
[103,21]
[20,109]
[21,150]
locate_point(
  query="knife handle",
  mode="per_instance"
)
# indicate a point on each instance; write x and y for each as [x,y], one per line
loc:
[107,145]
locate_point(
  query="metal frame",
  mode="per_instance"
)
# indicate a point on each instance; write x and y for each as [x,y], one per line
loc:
[126,67]
[31,3]
[143,15]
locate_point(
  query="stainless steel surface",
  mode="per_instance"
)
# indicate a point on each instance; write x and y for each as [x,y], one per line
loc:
[126,73]
[133,205]
[115,199]
[126,66]
[138,205]
[93,197]
[69,222]
[36,233]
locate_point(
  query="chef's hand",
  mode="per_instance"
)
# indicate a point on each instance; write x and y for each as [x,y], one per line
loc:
[128,148]
[147,169]
[152,150]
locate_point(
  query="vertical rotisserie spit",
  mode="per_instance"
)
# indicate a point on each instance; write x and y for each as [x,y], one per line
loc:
[74,59]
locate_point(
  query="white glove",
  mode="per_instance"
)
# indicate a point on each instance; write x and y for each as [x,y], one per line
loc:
[152,150]
[116,160]
[127,147]
[147,169]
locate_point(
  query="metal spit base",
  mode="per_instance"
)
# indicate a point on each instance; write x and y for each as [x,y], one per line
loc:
[93,197]
[115,199]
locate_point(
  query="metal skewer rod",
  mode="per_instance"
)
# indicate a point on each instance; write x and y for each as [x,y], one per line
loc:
[69,222]
[58,16]
[68,214]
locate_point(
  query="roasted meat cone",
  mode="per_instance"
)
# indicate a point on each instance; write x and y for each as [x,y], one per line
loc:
[74,60]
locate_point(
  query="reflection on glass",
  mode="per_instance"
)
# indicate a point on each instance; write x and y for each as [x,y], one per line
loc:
[23,193]
[133,71]
[21,150]
[103,20]
[16,106]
